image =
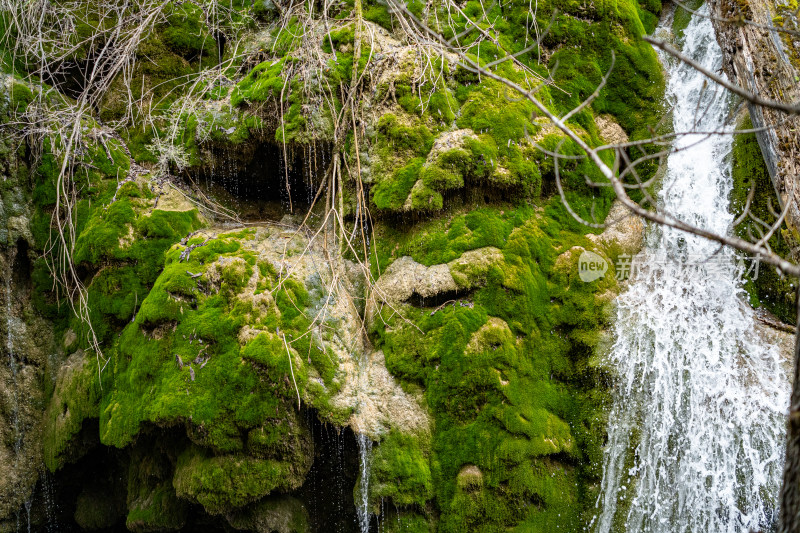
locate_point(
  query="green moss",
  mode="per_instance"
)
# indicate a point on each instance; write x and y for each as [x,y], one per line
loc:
[219,483]
[391,193]
[20,95]
[507,378]
[423,198]
[378,13]
[396,137]
[764,285]
[182,361]
[75,399]
[135,241]
[265,81]
[185,34]
[401,471]
[487,111]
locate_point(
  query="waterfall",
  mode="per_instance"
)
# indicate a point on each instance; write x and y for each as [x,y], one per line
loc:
[696,429]
[365,459]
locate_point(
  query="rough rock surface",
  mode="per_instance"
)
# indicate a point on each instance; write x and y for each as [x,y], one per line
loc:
[610,130]
[406,278]
[625,229]
[27,350]
[378,402]
[777,334]
[765,64]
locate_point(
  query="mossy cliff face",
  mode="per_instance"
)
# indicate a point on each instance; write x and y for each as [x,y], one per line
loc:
[467,346]
[29,355]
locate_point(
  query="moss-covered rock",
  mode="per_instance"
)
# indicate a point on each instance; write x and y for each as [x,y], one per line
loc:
[223,482]
[472,365]
[763,283]
[507,372]
[152,503]
[282,514]
[76,398]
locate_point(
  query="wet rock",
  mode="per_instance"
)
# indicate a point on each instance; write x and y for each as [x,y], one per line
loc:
[625,230]
[282,514]
[765,63]
[379,403]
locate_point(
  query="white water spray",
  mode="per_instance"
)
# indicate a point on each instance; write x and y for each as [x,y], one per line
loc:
[696,432]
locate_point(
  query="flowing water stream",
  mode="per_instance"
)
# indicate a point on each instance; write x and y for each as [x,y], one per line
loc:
[696,430]
[365,460]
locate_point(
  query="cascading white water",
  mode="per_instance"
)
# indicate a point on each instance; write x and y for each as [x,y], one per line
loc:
[365,460]
[696,430]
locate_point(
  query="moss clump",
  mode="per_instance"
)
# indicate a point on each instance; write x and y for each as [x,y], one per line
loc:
[224,481]
[401,470]
[764,285]
[265,81]
[76,398]
[185,34]
[391,193]
[127,244]
[187,359]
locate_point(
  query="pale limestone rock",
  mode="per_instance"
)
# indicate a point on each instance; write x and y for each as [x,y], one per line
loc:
[470,477]
[610,130]
[449,141]
[405,277]
[625,230]
[380,403]
[471,268]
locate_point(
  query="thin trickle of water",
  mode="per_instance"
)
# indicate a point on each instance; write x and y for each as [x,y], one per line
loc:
[365,461]
[28,504]
[696,430]
[50,506]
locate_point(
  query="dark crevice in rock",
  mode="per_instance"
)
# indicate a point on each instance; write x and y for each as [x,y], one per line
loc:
[251,178]
[21,267]
[327,493]
[442,299]
[102,487]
